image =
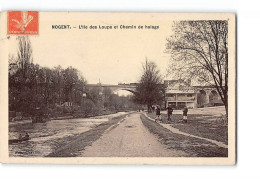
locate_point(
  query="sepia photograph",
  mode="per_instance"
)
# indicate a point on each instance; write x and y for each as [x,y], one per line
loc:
[129,86]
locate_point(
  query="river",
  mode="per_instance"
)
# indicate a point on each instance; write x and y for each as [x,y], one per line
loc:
[44,136]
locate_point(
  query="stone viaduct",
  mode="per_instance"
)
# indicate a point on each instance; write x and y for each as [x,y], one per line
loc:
[198,95]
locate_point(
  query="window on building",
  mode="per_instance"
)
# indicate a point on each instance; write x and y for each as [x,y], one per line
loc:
[170,95]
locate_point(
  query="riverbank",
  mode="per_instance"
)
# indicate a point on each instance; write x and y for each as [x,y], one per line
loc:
[47,137]
[65,117]
[72,145]
[194,147]
[202,125]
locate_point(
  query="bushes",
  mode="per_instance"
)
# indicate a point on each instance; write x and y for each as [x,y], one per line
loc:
[89,108]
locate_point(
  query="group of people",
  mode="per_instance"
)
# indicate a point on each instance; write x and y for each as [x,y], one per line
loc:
[169,114]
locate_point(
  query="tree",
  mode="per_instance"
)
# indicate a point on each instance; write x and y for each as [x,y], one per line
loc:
[107,94]
[149,91]
[89,107]
[114,102]
[24,55]
[32,86]
[199,50]
[21,76]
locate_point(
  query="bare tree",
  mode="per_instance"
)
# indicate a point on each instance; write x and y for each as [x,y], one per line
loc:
[24,55]
[199,50]
[149,90]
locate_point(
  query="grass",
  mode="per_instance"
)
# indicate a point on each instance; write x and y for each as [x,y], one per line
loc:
[199,125]
[194,147]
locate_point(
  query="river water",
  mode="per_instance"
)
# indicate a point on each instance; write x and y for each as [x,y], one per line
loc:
[44,136]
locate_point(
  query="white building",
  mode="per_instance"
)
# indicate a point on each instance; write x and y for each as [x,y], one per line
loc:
[180,93]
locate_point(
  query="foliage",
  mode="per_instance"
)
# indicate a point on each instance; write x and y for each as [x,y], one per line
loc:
[51,89]
[32,86]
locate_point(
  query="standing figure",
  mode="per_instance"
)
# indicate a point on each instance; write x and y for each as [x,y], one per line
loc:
[169,113]
[158,114]
[20,137]
[185,114]
[27,135]
[153,108]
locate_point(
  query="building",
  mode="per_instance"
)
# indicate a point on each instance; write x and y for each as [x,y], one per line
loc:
[180,93]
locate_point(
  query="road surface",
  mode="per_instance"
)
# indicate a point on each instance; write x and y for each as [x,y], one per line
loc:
[129,138]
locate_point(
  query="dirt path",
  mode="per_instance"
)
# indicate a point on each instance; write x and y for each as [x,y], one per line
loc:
[129,138]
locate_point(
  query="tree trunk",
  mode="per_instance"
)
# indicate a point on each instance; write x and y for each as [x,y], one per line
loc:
[226,105]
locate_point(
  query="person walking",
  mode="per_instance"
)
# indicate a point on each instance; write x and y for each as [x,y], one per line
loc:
[169,113]
[158,114]
[185,114]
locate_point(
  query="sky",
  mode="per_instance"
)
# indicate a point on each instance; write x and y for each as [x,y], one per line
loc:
[111,56]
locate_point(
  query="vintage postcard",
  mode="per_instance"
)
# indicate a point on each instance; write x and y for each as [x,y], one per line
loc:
[118,88]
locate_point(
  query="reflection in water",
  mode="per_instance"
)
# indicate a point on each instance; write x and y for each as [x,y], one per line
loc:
[43,136]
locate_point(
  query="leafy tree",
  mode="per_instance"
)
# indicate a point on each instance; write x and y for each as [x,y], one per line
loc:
[89,107]
[32,86]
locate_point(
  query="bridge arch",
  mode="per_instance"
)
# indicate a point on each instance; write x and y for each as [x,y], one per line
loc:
[202,98]
[214,97]
[124,89]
